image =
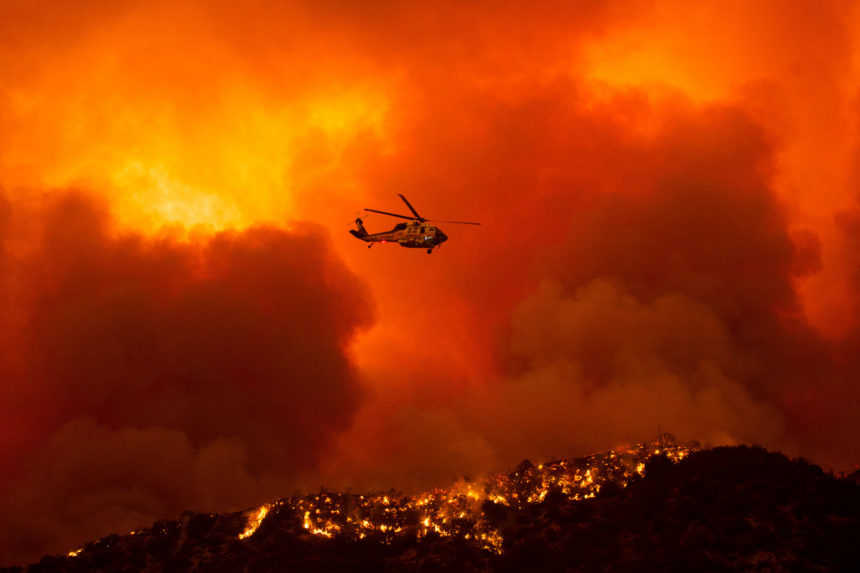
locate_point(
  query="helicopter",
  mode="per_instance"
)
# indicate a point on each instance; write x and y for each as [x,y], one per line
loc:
[416,234]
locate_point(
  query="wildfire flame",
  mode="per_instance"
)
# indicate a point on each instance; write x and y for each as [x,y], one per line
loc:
[458,511]
[254,521]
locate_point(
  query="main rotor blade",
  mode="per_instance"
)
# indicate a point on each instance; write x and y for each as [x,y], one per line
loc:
[411,208]
[455,222]
[390,214]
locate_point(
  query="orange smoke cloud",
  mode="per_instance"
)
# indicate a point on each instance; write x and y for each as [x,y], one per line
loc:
[668,207]
[664,295]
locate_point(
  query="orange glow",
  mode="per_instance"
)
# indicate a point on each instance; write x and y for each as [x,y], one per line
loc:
[664,50]
[233,168]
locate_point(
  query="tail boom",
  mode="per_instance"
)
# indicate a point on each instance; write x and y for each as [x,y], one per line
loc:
[360,233]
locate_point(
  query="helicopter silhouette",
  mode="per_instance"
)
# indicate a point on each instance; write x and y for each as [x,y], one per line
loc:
[418,233]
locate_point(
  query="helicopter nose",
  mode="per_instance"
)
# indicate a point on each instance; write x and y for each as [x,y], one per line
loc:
[442,237]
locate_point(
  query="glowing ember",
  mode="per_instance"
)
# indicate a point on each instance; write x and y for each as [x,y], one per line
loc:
[76,552]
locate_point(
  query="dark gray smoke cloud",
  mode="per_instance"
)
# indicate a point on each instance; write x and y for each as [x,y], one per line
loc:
[158,374]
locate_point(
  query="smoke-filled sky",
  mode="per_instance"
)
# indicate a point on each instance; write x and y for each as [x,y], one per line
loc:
[670,217]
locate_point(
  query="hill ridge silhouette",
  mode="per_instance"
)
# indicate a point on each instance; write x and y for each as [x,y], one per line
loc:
[722,509]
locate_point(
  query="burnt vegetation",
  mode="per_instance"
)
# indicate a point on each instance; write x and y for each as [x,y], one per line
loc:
[723,509]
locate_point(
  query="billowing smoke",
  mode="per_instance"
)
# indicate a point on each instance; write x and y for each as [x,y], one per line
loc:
[663,295]
[154,374]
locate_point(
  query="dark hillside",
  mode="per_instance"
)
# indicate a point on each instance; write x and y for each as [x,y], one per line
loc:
[725,509]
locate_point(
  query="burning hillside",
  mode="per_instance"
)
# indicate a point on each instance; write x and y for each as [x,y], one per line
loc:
[624,507]
[459,511]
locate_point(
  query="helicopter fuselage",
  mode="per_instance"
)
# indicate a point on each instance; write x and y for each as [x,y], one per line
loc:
[412,235]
